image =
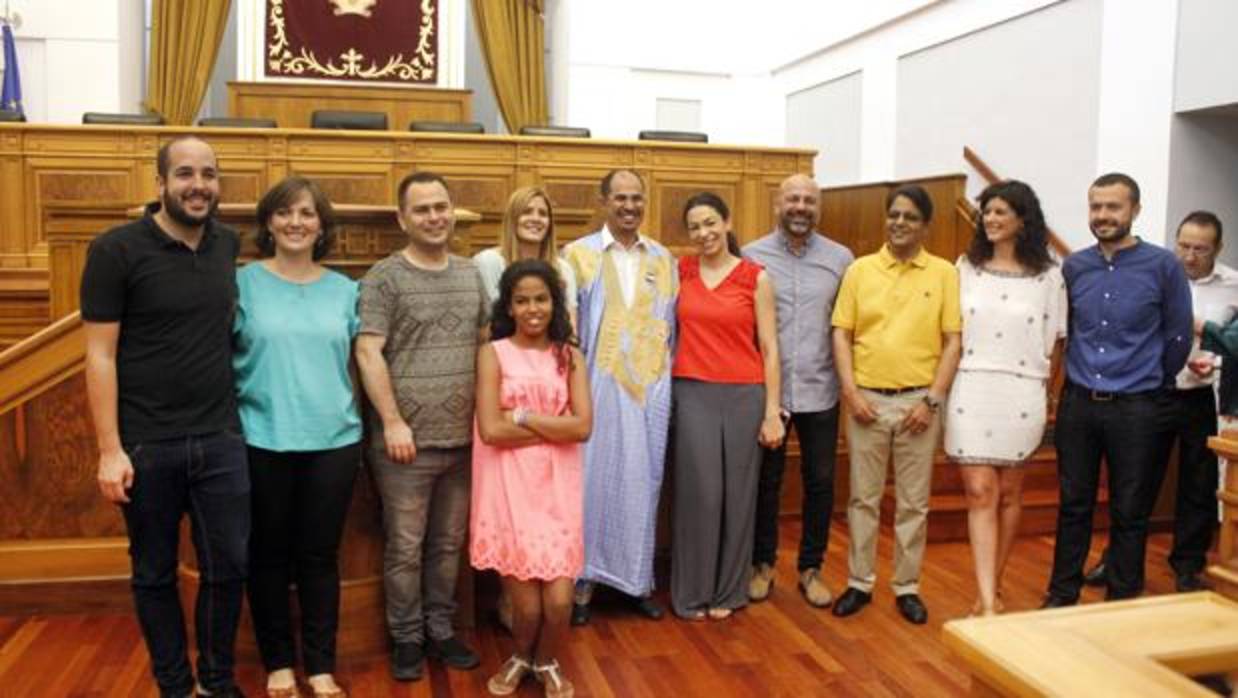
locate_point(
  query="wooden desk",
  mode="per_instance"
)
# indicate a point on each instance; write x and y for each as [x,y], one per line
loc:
[1143,648]
[76,181]
[291,104]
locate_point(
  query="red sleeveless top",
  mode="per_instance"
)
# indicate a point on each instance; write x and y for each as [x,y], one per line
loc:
[718,328]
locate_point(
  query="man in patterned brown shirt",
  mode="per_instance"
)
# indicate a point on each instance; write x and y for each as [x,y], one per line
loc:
[422,316]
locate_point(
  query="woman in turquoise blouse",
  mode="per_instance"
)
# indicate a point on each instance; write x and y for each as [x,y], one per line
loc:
[295,324]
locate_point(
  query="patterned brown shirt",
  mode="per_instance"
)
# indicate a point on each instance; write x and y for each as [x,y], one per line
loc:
[430,320]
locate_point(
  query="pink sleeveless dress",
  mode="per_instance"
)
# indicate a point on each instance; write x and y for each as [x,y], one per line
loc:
[527,500]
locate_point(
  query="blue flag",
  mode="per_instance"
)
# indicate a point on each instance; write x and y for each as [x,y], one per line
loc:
[10,95]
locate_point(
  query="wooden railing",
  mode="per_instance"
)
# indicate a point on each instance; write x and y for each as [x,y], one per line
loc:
[39,362]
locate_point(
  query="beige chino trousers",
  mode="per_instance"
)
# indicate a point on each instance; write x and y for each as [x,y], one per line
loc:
[872,447]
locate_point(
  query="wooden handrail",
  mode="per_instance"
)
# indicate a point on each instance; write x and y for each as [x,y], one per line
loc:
[41,361]
[1059,246]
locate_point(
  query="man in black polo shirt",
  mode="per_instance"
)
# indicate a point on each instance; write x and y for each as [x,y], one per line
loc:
[157,301]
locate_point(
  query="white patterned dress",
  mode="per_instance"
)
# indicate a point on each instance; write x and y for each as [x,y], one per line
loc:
[996,412]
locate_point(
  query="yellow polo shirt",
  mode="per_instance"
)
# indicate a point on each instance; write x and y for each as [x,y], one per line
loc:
[897,312]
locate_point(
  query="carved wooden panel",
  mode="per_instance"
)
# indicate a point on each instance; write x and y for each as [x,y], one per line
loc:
[565,154]
[242,181]
[703,158]
[47,469]
[349,184]
[461,149]
[21,315]
[668,192]
[308,146]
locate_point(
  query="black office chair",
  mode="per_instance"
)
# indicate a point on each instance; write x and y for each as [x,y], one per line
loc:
[447,126]
[679,136]
[11,115]
[555,131]
[236,122]
[98,118]
[352,120]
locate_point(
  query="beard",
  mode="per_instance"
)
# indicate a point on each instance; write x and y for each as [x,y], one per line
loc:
[797,225]
[176,212]
[1118,233]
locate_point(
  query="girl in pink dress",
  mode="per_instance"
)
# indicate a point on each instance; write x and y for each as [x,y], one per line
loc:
[533,410]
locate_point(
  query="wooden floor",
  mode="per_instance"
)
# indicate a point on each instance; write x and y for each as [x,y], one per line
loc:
[778,648]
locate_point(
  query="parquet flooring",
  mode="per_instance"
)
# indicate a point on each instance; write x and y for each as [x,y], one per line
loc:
[778,648]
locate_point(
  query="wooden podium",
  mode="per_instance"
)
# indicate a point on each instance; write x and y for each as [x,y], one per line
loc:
[291,104]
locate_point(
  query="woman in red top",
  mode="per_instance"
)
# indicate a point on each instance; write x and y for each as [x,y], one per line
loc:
[726,394]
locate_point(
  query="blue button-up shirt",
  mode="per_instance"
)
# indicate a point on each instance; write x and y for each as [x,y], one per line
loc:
[1130,318]
[805,285]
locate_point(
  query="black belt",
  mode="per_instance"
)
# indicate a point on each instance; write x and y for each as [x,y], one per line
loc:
[895,391]
[1108,396]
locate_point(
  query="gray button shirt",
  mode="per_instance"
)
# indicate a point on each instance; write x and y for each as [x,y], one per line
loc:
[805,286]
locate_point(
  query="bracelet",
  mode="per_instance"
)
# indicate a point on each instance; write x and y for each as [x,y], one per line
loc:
[520,416]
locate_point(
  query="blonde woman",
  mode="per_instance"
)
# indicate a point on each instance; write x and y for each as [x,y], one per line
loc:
[528,233]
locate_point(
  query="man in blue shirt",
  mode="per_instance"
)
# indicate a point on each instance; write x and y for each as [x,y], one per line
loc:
[1129,336]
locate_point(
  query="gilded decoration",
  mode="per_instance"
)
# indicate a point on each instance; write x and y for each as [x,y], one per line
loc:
[632,342]
[362,40]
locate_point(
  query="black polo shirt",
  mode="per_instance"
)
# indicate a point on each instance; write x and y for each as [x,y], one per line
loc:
[175,308]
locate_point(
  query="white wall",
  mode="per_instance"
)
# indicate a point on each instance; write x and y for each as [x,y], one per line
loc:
[1030,113]
[1203,173]
[69,53]
[1206,43]
[826,117]
[909,27]
[1136,102]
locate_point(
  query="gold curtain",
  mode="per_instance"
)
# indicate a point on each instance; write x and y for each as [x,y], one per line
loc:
[184,41]
[512,38]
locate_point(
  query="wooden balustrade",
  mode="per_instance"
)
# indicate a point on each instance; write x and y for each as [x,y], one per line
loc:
[1224,574]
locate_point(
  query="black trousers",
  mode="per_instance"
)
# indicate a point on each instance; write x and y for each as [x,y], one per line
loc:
[1132,435]
[300,500]
[818,436]
[1195,510]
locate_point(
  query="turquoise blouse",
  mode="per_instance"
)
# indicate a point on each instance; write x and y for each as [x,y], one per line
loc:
[291,348]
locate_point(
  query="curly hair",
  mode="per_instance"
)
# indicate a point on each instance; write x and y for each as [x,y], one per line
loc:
[559,330]
[1031,247]
[281,196]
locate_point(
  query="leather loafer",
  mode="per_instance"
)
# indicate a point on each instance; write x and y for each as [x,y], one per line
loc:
[647,607]
[1052,601]
[580,614]
[912,608]
[851,601]
[1096,576]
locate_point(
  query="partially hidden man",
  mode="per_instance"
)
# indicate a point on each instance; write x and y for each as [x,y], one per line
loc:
[627,285]
[158,298]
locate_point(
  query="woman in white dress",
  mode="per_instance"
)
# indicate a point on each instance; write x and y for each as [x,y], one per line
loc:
[1013,300]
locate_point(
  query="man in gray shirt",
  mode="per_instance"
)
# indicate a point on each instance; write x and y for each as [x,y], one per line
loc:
[422,315]
[806,269]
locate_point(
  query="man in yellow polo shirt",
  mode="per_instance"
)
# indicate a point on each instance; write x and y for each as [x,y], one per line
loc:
[896,346]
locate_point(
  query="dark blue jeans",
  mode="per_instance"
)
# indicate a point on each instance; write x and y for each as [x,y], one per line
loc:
[207,477]
[818,436]
[1132,435]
